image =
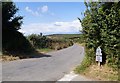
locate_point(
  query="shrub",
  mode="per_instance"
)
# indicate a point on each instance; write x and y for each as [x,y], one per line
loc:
[39,41]
[15,42]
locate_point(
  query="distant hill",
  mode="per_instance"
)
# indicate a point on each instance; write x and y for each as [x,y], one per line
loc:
[64,36]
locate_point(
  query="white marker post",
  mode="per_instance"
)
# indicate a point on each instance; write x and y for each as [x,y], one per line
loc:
[98,55]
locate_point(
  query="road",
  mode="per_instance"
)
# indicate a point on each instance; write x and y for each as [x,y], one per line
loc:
[50,68]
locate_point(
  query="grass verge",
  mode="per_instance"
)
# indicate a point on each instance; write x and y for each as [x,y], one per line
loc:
[8,58]
[103,73]
[17,56]
[93,71]
[45,50]
[83,66]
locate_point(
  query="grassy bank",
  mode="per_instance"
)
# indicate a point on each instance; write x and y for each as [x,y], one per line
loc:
[39,44]
[90,69]
[95,72]
[45,50]
[8,58]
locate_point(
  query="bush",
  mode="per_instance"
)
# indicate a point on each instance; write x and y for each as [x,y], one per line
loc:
[15,42]
[39,41]
[101,27]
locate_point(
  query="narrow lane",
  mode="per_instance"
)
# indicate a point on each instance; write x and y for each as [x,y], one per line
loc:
[46,68]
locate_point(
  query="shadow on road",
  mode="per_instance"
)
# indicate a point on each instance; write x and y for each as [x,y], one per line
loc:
[40,55]
[24,56]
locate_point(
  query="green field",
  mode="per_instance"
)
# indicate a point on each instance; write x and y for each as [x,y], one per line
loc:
[64,36]
[76,38]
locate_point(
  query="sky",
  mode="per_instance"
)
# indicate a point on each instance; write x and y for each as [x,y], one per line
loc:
[50,17]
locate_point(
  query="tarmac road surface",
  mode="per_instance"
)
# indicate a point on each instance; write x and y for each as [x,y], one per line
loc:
[52,67]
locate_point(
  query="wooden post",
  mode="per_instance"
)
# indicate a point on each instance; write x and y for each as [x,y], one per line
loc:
[99,63]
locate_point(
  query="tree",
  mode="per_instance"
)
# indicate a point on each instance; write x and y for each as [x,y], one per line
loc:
[101,28]
[12,40]
[9,19]
[41,34]
[110,32]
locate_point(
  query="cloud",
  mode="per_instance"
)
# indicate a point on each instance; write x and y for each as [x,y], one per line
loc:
[57,24]
[40,11]
[35,13]
[28,9]
[44,9]
[52,28]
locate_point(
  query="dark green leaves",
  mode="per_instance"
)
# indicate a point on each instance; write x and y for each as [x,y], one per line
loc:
[101,26]
[9,19]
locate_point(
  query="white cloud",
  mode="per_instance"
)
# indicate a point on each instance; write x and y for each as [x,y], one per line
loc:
[44,9]
[40,11]
[35,13]
[52,28]
[28,9]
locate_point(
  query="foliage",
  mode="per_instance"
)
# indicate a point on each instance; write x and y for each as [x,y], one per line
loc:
[79,39]
[90,69]
[39,41]
[76,38]
[9,19]
[12,40]
[101,28]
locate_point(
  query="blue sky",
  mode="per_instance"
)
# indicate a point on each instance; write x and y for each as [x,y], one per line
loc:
[50,17]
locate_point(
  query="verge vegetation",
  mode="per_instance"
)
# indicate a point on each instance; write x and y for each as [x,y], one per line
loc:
[44,42]
[101,28]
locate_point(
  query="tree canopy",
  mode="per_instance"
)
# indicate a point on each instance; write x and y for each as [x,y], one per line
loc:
[101,27]
[9,19]
[12,40]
